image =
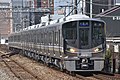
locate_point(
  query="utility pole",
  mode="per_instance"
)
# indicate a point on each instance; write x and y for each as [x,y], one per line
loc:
[109,4]
[75,7]
[83,6]
[119,60]
[90,8]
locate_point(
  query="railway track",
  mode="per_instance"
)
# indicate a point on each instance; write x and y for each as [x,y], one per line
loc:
[106,77]
[99,77]
[20,72]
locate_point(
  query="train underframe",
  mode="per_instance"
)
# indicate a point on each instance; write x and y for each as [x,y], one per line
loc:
[69,64]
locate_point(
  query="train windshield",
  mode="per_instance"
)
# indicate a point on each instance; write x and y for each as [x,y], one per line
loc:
[70,30]
[98,33]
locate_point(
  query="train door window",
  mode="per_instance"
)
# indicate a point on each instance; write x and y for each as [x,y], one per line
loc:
[15,38]
[26,37]
[38,38]
[39,33]
[50,38]
[56,38]
[53,41]
[84,37]
[31,36]
[11,38]
[35,37]
[42,38]
[45,38]
[18,38]
[59,41]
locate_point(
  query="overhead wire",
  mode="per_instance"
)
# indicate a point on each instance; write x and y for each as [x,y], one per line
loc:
[93,3]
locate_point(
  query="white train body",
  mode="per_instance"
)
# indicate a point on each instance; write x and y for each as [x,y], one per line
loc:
[74,43]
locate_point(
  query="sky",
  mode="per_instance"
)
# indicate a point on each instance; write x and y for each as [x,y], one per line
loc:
[5,0]
[66,2]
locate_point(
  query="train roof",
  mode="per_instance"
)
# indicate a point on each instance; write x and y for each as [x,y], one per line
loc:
[60,21]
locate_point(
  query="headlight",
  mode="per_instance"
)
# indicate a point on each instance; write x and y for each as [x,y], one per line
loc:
[72,50]
[97,49]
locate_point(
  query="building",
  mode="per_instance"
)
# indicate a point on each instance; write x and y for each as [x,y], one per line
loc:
[98,6]
[45,4]
[22,15]
[112,19]
[26,13]
[5,20]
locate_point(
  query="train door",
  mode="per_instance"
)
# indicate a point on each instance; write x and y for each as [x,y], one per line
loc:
[84,37]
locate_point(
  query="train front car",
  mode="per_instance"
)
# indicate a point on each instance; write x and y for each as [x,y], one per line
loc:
[84,45]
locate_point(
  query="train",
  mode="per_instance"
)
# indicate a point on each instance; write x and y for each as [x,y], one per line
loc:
[74,43]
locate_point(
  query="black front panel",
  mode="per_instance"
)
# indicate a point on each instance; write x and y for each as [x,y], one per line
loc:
[79,64]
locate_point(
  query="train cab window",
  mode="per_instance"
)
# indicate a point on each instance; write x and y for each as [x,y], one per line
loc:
[70,30]
[97,33]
